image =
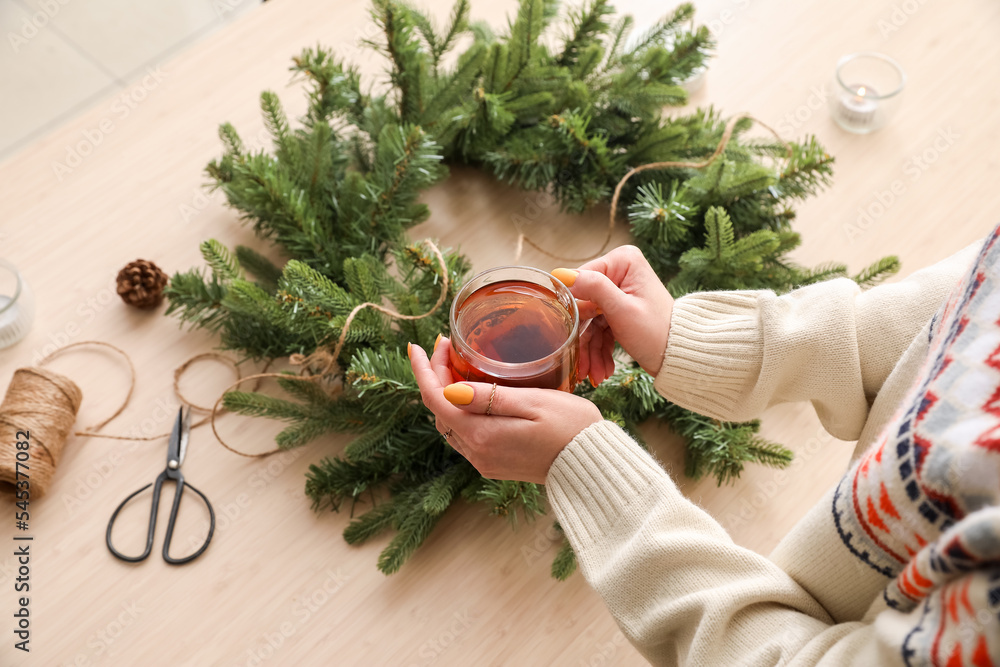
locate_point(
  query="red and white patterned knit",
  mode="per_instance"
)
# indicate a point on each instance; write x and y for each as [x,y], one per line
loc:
[923,505]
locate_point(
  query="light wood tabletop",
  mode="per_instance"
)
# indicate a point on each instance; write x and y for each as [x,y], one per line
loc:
[278,585]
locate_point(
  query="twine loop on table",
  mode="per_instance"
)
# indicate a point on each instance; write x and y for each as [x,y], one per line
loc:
[325,360]
[45,404]
[727,134]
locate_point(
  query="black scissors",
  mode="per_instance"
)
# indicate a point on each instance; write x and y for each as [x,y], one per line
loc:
[175,457]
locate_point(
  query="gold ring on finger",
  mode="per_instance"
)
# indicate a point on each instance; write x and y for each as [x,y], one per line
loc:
[493,394]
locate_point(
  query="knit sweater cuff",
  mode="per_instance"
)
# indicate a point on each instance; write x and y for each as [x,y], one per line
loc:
[714,352]
[597,475]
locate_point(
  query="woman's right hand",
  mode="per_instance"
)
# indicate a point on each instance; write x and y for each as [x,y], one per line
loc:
[628,304]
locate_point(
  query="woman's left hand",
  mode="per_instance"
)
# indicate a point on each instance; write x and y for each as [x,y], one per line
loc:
[524,431]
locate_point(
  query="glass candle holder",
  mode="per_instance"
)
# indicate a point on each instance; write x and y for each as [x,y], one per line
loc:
[516,326]
[17,305]
[866,90]
[696,81]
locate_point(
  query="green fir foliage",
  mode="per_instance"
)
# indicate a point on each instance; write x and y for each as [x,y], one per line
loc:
[563,103]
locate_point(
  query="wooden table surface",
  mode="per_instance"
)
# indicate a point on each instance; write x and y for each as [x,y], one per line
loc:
[278,584]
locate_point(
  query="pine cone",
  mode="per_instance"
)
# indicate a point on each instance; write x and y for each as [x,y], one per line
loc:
[141,284]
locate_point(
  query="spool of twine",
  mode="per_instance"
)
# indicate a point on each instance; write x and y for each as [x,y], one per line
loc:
[44,404]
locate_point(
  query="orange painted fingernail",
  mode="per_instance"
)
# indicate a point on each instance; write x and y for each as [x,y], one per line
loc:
[566,276]
[459,393]
[436,341]
[409,349]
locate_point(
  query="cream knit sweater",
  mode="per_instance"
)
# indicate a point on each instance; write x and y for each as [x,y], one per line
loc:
[682,592]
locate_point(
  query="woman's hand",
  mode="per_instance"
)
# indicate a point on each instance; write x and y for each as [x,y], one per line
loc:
[524,431]
[628,304]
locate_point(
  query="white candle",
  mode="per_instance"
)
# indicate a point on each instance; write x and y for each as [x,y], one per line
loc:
[858,108]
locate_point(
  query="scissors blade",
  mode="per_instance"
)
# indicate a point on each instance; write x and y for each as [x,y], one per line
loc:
[179,439]
[185,437]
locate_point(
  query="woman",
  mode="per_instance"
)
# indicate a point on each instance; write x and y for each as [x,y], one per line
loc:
[899,564]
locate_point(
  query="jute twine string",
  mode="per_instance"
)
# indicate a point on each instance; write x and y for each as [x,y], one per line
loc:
[727,134]
[45,404]
[322,363]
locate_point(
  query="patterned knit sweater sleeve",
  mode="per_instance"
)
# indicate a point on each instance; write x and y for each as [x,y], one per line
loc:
[684,594]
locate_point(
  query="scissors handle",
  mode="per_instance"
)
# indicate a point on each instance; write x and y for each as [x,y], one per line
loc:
[176,476]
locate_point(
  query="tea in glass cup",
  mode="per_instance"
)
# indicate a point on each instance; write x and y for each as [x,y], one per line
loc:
[516,326]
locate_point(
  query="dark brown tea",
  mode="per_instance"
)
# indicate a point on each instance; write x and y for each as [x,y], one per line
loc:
[515,322]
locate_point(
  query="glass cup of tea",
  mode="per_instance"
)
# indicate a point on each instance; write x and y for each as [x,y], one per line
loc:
[516,326]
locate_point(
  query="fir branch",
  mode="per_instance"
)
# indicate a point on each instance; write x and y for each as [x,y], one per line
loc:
[333,480]
[335,88]
[447,486]
[506,497]
[457,24]
[372,523]
[564,564]
[409,62]
[263,269]
[277,125]
[662,220]
[195,300]
[878,271]
[231,141]
[224,265]
[587,24]
[524,34]
[664,28]
[413,526]
[808,169]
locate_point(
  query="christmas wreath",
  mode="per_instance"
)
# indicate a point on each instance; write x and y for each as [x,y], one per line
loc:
[569,115]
